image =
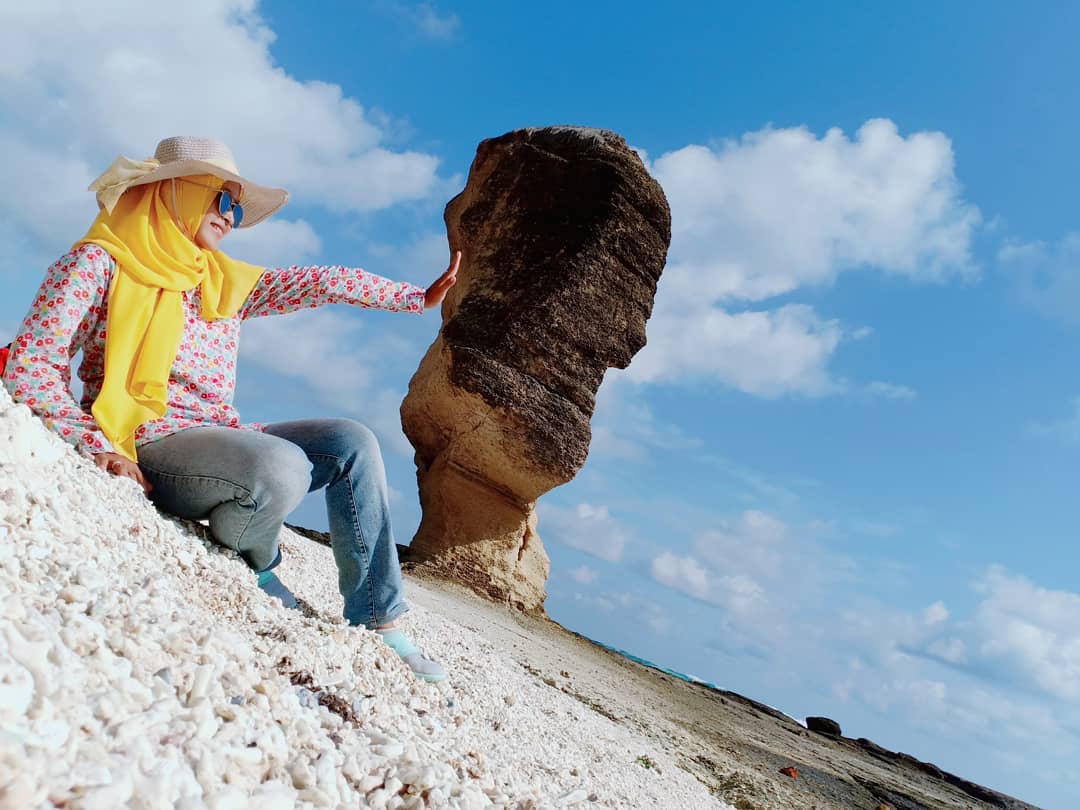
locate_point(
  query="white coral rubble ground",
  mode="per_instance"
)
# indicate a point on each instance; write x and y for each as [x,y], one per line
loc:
[140,667]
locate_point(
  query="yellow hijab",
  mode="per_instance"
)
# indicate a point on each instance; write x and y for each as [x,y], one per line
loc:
[156,262]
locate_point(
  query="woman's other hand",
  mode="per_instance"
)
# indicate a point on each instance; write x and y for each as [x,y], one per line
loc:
[437,291]
[117,464]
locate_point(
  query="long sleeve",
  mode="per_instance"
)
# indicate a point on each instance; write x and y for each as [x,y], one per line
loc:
[67,307]
[288,289]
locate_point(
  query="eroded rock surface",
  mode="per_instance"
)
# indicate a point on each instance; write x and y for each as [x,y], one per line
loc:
[564,235]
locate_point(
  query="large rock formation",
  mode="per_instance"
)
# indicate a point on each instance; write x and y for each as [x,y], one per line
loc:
[564,236]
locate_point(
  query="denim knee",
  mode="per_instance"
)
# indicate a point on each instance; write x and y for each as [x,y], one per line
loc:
[280,478]
[354,437]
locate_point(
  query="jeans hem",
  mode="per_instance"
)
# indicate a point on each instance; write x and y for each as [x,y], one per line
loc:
[392,615]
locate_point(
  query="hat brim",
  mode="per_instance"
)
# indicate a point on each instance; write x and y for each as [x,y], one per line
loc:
[259,202]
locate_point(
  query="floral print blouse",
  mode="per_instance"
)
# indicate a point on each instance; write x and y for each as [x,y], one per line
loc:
[70,313]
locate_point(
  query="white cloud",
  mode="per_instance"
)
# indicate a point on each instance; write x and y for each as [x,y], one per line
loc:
[587,528]
[767,353]
[434,25]
[583,574]
[737,592]
[1066,430]
[654,616]
[952,650]
[149,77]
[318,348]
[782,209]
[624,425]
[422,259]
[307,345]
[935,613]
[890,391]
[875,528]
[1029,632]
[754,544]
[1047,276]
[1019,633]
[47,204]
[755,565]
[424,18]
[276,243]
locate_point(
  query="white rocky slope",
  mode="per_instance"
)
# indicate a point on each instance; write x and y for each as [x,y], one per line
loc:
[140,667]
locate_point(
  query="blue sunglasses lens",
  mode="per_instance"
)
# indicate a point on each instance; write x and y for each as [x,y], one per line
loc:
[226,203]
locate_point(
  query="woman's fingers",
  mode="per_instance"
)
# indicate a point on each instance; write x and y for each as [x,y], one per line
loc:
[141,479]
[115,464]
[437,291]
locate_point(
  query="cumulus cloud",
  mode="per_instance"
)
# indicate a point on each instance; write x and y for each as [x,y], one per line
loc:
[317,347]
[779,210]
[276,243]
[935,613]
[736,592]
[116,78]
[424,18]
[651,614]
[1046,276]
[767,353]
[1019,634]
[583,575]
[1029,632]
[587,528]
[1066,430]
[890,391]
[950,650]
[875,528]
[304,344]
[626,427]
[422,259]
[755,566]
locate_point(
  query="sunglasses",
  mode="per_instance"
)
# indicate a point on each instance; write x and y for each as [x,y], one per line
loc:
[225,202]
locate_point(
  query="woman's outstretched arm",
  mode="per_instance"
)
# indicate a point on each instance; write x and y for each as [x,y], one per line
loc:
[288,289]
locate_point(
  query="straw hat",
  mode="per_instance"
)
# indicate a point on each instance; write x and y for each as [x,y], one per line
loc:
[182,157]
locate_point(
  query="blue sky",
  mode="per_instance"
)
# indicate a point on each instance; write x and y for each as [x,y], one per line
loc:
[841,477]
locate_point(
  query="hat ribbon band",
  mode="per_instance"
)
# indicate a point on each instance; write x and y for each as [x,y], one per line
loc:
[119,177]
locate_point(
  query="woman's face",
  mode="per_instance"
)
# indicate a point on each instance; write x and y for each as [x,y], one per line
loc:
[214,226]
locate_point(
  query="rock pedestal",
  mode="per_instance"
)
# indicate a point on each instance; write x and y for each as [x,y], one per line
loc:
[564,235]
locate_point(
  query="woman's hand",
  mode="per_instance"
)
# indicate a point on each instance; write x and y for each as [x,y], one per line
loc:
[121,465]
[437,291]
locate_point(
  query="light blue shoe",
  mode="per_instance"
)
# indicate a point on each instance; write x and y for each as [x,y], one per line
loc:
[421,666]
[269,582]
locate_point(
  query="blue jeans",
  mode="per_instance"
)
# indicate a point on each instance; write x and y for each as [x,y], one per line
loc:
[247,482]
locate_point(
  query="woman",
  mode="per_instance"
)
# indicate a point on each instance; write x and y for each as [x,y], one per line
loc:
[156,309]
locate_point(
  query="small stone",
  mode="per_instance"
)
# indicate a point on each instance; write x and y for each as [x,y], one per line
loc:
[791,771]
[574,797]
